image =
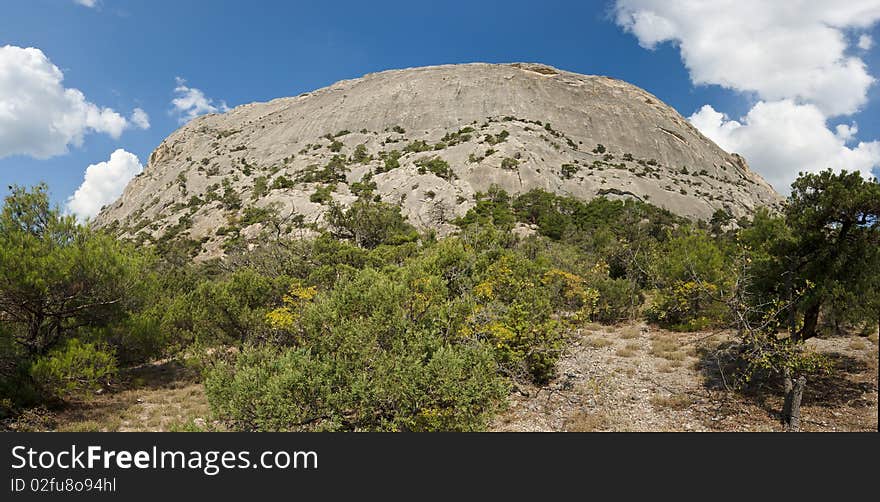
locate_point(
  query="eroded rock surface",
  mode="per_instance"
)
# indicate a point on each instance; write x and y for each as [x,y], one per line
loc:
[428,139]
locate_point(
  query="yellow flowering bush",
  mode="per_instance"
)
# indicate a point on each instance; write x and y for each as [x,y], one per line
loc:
[286,318]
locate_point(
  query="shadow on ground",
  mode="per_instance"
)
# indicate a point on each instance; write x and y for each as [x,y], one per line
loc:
[844,385]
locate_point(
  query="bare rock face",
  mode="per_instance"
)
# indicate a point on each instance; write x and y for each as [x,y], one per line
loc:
[427,139]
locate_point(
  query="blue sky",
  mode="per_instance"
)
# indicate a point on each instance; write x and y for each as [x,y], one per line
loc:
[124,55]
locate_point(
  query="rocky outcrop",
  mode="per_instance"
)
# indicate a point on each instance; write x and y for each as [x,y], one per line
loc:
[428,139]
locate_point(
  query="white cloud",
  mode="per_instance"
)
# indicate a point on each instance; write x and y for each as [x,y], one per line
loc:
[780,50]
[783,138]
[846,132]
[140,118]
[38,115]
[87,3]
[103,184]
[191,102]
[792,56]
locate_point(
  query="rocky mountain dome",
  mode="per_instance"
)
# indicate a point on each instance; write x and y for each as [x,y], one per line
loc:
[428,139]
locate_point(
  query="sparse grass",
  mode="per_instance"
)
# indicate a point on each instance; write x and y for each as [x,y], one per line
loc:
[584,421]
[675,402]
[630,350]
[662,343]
[857,344]
[141,409]
[666,347]
[873,338]
[629,332]
[598,342]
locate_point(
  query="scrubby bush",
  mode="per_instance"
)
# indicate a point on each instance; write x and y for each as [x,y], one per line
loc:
[492,208]
[322,194]
[390,160]
[436,166]
[619,300]
[261,187]
[73,369]
[692,271]
[364,360]
[417,146]
[509,163]
[360,155]
[369,224]
[513,312]
[282,182]
[568,171]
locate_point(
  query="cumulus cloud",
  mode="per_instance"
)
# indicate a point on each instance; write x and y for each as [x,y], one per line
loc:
[779,50]
[103,184]
[140,118]
[792,57]
[87,3]
[790,138]
[38,115]
[190,102]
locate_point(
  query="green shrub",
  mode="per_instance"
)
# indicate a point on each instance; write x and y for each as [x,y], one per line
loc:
[360,155]
[365,187]
[497,138]
[492,208]
[691,273]
[141,337]
[261,187]
[368,224]
[73,369]
[322,194]
[254,214]
[282,182]
[447,389]
[515,316]
[362,362]
[391,160]
[435,165]
[227,310]
[463,135]
[231,199]
[417,146]
[619,300]
[569,170]
[509,163]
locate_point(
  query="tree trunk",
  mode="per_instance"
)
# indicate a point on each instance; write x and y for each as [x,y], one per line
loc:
[811,321]
[791,409]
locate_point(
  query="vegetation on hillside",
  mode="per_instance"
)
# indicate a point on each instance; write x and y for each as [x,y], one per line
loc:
[372,326]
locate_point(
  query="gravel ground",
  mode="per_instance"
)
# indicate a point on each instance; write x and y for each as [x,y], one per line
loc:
[640,378]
